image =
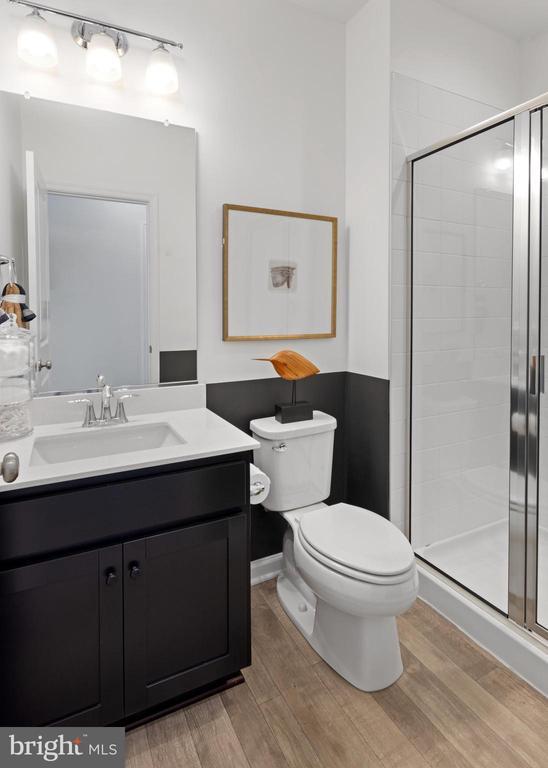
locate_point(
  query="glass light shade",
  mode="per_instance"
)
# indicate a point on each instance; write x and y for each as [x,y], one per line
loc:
[161,75]
[102,60]
[35,43]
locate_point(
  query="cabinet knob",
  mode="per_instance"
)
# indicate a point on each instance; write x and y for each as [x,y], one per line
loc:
[9,467]
[111,577]
[134,571]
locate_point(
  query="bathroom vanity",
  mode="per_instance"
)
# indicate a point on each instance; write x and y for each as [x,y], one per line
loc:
[124,547]
[125,590]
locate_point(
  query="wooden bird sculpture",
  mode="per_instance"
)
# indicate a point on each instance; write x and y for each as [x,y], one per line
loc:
[290,365]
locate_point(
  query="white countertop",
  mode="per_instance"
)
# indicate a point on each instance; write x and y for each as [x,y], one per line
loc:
[205,434]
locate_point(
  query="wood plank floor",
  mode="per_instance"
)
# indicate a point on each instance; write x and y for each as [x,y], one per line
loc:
[453,706]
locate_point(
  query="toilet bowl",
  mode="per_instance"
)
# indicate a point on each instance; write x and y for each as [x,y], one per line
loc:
[347,572]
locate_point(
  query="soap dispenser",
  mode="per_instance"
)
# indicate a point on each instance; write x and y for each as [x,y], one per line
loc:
[15,381]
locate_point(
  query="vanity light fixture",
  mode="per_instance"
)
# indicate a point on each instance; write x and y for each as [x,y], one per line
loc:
[104,49]
[161,75]
[35,43]
[105,44]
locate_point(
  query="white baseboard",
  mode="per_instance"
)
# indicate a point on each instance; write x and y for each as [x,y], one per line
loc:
[266,568]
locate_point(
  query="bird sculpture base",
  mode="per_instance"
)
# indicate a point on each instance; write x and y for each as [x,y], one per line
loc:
[287,413]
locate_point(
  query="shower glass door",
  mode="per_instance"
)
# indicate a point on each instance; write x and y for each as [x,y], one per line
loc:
[479,339]
[537,517]
[461,329]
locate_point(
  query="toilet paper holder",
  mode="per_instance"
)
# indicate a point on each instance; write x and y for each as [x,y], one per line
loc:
[256,488]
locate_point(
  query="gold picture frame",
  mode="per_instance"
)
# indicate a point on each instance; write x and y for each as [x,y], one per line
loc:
[333,220]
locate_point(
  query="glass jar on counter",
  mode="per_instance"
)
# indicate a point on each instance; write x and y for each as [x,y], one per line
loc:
[15,381]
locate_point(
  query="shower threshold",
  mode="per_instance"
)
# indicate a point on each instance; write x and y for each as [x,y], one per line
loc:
[477,559]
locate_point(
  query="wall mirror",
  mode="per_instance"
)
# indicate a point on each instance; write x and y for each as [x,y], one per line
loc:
[99,211]
[279,274]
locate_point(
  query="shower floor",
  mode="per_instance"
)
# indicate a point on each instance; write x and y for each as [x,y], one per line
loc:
[478,560]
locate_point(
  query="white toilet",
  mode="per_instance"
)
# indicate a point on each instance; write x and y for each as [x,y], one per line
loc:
[347,572]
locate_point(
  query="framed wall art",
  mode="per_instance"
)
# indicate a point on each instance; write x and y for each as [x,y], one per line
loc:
[279,274]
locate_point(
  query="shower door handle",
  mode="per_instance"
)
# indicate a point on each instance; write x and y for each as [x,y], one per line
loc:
[533,375]
[536,368]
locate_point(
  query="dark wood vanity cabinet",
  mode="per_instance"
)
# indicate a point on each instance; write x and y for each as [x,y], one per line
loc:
[61,641]
[117,631]
[185,619]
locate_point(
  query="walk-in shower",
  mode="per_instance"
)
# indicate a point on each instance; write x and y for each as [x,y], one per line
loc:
[478,491]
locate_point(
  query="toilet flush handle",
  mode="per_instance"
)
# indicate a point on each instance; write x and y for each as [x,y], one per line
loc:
[280,448]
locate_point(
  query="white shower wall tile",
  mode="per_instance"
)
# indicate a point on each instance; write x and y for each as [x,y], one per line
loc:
[405,129]
[457,238]
[429,105]
[493,243]
[461,303]
[405,94]
[427,202]
[400,197]
[430,131]
[429,174]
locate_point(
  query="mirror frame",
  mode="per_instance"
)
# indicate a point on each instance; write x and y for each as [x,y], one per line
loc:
[333,220]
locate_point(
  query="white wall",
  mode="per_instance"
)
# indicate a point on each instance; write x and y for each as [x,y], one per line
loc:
[263,84]
[368,187]
[12,211]
[534,67]
[434,44]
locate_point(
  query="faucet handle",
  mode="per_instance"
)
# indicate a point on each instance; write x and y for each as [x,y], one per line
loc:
[100,381]
[121,395]
[79,400]
[90,417]
[124,394]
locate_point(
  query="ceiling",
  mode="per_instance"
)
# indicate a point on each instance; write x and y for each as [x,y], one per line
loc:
[341,10]
[516,18]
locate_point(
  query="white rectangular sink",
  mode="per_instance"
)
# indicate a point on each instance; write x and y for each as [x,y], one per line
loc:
[103,441]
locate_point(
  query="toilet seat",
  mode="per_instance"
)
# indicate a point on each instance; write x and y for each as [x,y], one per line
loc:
[357,543]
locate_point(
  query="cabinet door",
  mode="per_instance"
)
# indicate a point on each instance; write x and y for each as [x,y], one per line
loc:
[61,641]
[186,602]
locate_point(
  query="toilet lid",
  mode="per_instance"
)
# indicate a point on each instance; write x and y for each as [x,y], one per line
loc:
[358,539]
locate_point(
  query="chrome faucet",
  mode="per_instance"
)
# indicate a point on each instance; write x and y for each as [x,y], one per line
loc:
[107,394]
[106,397]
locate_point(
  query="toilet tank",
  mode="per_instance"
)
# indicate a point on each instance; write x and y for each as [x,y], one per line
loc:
[298,459]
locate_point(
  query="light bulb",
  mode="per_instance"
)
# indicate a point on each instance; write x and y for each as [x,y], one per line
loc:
[161,75]
[102,59]
[35,43]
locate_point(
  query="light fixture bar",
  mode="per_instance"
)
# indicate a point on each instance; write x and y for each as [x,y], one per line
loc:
[89,20]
